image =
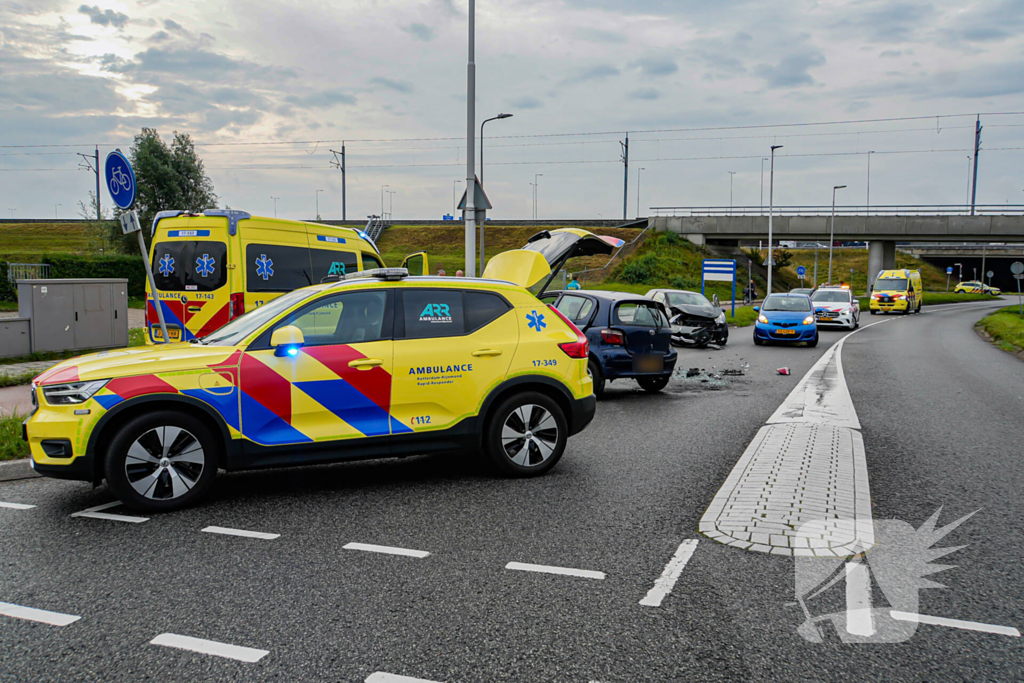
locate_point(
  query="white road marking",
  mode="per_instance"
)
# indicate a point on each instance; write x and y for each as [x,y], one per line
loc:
[240,532]
[210,647]
[94,513]
[955,623]
[858,599]
[545,569]
[381,677]
[663,585]
[41,615]
[387,550]
[16,506]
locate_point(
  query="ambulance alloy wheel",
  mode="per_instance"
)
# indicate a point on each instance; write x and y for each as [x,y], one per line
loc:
[162,461]
[526,435]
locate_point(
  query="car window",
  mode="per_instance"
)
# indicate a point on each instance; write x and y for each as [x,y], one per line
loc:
[349,318]
[783,302]
[241,327]
[274,268]
[189,266]
[892,284]
[831,296]
[639,315]
[433,313]
[327,262]
[483,308]
[370,262]
[571,306]
[549,298]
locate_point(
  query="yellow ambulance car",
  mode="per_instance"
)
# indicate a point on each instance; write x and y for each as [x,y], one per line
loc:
[899,291]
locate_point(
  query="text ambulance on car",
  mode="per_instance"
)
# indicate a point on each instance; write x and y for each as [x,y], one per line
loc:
[376,364]
[211,268]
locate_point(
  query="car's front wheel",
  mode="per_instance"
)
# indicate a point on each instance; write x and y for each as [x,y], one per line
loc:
[594,370]
[813,342]
[526,434]
[758,341]
[162,461]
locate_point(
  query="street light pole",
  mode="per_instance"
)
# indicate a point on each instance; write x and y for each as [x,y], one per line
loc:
[771,212]
[318,204]
[55,210]
[731,174]
[275,205]
[382,200]
[832,233]
[493,118]
[535,194]
[638,191]
[470,212]
[391,203]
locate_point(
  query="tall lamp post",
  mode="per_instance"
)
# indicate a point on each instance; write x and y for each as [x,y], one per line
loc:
[832,232]
[493,118]
[638,191]
[391,203]
[55,210]
[731,174]
[318,204]
[771,211]
[382,200]
[470,212]
[275,205]
[535,176]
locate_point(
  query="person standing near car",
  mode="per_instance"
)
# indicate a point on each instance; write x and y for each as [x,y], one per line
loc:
[573,283]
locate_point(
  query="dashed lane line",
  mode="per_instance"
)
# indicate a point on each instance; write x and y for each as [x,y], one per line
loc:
[546,569]
[381,677]
[663,586]
[955,623]
[210,647]
[387,550]
[40,615]
[240,532]
[94,513]
[16,506]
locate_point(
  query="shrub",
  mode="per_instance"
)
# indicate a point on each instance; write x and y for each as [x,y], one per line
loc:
[684,282]
[639,270]
[782,258]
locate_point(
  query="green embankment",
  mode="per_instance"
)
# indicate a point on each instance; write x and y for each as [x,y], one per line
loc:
[11,444]
[1005,327]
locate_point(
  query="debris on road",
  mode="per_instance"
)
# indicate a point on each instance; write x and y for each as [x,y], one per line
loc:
[783,371]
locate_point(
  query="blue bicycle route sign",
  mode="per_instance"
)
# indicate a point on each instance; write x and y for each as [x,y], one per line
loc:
[801,271]
[120,180]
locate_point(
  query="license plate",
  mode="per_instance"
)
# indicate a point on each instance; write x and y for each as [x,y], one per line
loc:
[649,363]
[785,331]
[172,332]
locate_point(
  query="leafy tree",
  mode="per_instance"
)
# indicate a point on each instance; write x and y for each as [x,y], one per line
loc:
[99,229]
[168,177]
[782,257]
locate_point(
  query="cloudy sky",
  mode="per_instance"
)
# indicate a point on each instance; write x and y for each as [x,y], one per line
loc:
[267,89]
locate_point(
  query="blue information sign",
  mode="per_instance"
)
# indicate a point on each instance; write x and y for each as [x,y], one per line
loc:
[949,270]
[120,180]
[801,271]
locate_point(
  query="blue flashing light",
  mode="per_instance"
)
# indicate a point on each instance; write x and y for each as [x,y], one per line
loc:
[292,350]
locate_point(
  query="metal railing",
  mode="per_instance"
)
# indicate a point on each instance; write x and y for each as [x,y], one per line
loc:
[27,271]
[375,226]
[844,210]
[623,251]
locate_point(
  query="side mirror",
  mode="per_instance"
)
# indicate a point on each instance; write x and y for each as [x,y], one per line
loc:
[287,340]
[757,308]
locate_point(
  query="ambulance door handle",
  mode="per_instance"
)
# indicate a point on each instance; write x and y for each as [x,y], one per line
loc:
[365,363]
[487,352]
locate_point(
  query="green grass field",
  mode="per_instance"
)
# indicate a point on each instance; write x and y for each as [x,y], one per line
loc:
[1006,327]
[19,241]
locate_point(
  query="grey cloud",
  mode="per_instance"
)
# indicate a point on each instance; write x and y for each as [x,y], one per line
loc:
[160,36]
[172,25]
[390,84]
[988,22]
[883,21]
[104,17]
[60,92]
[525,103]
[644,94]
[196,64]
[322,100]
[594,73]
[419,31]
[217,119]
[890,53]
[595,35]
[654,66]
[792,70]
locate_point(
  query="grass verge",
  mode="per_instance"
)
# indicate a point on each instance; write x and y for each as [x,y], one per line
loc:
[1005,328]
[12,446]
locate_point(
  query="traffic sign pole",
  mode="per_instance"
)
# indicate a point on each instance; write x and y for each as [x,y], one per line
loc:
[1017,268]
[123,190]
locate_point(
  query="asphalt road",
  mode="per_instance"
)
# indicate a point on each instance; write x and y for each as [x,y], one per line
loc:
[941,414]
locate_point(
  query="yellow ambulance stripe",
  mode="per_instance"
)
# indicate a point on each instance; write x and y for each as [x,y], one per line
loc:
[316,421]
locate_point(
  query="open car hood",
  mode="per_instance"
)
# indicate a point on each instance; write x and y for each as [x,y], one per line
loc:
[546,251]
[695,311]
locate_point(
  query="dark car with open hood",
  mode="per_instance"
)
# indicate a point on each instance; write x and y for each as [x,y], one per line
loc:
[695,321]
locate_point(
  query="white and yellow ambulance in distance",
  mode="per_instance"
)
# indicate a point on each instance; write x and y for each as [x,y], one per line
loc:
[900,291]
[212,267]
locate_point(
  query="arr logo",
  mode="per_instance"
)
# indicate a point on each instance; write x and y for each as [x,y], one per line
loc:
[436,313]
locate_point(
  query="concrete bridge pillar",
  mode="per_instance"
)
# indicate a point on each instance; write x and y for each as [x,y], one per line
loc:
[881,256]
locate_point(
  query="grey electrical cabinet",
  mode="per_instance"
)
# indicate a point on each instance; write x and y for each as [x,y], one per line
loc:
[75,314]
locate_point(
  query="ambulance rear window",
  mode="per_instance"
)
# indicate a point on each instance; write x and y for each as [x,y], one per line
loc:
[276,268]
[189,266]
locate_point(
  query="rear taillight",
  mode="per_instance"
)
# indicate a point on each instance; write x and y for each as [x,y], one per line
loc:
[613,337]
[577,349]
[236,305]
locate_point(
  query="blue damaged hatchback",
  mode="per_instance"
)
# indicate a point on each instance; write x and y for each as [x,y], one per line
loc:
[630,336]
[786,317]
